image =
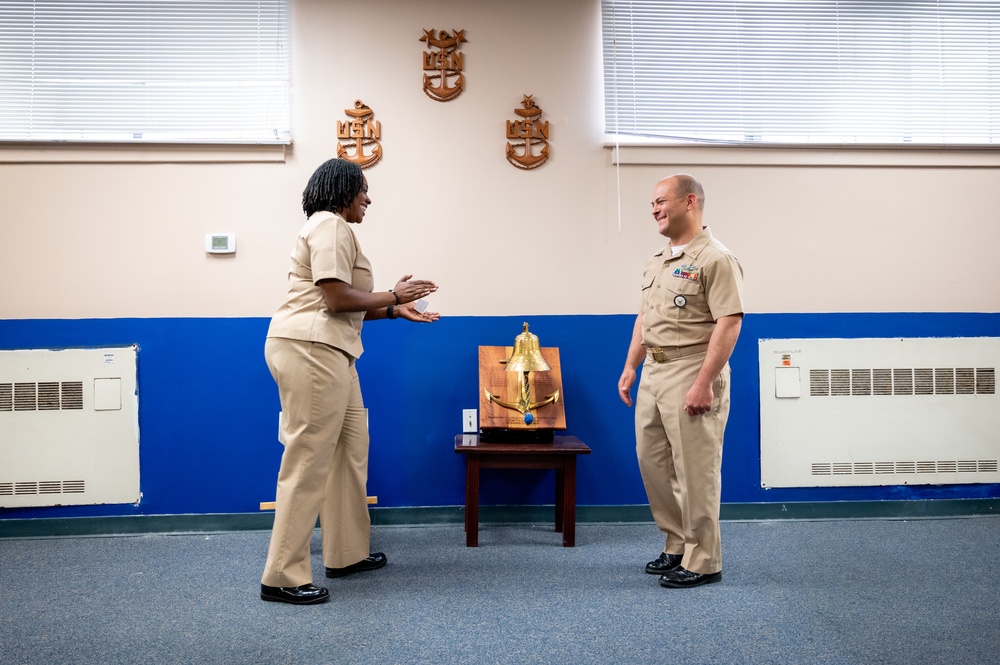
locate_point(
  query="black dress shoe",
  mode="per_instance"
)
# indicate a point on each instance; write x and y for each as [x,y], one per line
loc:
[307,594]
[376,560]
[664,564]
[680,578]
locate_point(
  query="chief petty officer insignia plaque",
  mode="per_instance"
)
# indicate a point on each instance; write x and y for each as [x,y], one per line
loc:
[527,133]
[362,132]
[445,62]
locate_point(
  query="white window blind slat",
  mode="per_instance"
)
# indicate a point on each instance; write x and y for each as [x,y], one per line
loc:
[923,72]
[202,71]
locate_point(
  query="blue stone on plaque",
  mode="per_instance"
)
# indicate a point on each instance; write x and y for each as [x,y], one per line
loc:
[680,301]
[528,419]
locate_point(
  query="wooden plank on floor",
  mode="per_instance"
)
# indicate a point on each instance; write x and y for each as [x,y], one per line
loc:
[269,505]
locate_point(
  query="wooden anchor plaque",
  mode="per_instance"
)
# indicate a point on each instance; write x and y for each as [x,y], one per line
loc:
[507,423]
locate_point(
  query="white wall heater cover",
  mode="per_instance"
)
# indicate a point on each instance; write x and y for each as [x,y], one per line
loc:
[853,412]
[69,427]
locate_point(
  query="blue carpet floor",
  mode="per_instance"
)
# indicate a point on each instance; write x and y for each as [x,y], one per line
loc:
[870,591]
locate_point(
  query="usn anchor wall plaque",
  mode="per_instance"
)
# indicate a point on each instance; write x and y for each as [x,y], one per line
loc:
[445,61]
[529,133]
[360,133]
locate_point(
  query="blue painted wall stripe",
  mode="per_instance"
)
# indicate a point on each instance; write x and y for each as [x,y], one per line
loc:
[208,407]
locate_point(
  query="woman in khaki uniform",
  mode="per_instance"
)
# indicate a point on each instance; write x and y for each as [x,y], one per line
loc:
[312,344]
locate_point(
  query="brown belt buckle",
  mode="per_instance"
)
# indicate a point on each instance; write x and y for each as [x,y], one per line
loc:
[659,355]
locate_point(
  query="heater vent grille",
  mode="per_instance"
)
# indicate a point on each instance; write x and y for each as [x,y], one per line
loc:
[914,381]
[43,487]
[42,396]
[898,467]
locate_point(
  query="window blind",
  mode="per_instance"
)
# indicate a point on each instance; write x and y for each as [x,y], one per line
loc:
[856,72]
[203,71]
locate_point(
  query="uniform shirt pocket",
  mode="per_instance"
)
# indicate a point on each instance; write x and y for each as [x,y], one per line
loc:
[686,298]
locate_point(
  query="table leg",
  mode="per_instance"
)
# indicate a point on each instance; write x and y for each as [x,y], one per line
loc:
[569,502]
[471,501]
[560,493]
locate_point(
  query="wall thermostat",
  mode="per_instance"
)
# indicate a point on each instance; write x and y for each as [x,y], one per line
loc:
[220,243]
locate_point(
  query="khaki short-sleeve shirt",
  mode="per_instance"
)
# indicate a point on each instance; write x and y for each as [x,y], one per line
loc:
[684,295]
[326,248]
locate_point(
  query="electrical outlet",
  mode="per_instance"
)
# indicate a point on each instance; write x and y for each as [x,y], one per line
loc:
[469,425]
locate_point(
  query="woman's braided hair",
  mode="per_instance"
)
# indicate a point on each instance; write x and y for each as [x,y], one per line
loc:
[332,187]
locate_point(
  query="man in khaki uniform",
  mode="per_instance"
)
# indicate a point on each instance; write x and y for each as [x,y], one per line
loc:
[689,320]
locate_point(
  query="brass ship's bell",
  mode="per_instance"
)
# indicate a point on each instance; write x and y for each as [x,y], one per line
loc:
[527,355]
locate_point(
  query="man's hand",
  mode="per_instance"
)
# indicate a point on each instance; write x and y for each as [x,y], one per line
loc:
[625,385]
[698,400]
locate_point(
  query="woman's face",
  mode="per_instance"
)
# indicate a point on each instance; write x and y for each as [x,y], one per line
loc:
[355,212]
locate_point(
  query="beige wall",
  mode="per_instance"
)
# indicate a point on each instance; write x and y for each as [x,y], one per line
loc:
[817,232]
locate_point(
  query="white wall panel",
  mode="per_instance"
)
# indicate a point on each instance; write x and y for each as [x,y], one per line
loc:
[878,411]
[69,427]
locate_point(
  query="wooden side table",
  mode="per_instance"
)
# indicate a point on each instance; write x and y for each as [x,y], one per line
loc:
[559,455]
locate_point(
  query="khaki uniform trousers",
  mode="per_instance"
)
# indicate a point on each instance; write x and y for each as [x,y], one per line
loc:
[324,467]
[680,459]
